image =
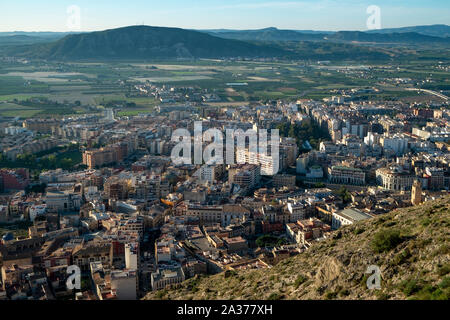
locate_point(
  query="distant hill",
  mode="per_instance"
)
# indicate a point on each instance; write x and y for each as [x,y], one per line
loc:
[269,34]
[22,40]
[274,34]
[405,37]
[21,37]
[437,30]
[409,245]
[143,42]
[40,34]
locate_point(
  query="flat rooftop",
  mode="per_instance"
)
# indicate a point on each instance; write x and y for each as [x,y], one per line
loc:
[354,214]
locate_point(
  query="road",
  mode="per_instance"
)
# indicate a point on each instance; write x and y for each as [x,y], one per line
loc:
[440,95]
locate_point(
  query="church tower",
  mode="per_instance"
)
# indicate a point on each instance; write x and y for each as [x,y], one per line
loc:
[416,193]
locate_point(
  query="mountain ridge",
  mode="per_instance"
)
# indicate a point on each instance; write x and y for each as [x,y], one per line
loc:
[148,43]
[274,34]
[141,42]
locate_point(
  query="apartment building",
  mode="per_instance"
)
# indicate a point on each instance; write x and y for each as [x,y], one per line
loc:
[246,176]
[113,153]
[14,179]
[270,164]
[206,214]
[395,178]
[346,175]
[298,211]
[306,230]
[62,201]
[284,180]
[98,158]
[163,278]
[234,213]
[289,147]
[95,252]
[46,126]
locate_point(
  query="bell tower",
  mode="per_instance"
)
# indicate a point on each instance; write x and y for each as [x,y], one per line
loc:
[416,193]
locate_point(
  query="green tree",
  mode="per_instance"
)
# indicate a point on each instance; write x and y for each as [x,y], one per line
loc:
[345,195]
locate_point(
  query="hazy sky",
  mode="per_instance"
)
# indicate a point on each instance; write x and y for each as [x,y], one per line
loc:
[45,15]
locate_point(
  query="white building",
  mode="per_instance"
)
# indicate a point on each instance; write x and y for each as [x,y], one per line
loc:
[346,175]
[346,217]
[131,256]
[398,145]
[109,114]
[270,165]
[395,178]
[37,210]
[297,211]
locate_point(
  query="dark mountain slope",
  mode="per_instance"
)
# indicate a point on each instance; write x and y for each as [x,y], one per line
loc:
[143,42]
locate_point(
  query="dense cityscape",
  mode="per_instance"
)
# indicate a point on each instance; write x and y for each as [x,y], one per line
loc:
[133,222]
[206,164]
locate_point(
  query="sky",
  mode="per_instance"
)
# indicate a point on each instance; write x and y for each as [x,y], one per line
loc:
[324,15]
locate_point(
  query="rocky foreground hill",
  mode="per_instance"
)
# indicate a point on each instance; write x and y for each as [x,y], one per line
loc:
[411,246]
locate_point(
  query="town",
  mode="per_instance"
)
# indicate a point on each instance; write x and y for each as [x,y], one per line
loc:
[134,221]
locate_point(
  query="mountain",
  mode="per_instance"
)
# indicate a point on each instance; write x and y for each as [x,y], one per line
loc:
[269,34]
[409,245]
[40,34]
[274,34]
[20,39]
[144,42]
[437,30]
[405,37]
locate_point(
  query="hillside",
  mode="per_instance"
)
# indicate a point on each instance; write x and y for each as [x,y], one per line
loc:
[143,42]
[410,245]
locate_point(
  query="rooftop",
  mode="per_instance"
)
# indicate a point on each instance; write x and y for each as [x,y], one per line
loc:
[354,214]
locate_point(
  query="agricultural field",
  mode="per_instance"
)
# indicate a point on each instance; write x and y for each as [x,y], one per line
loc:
[76,88]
